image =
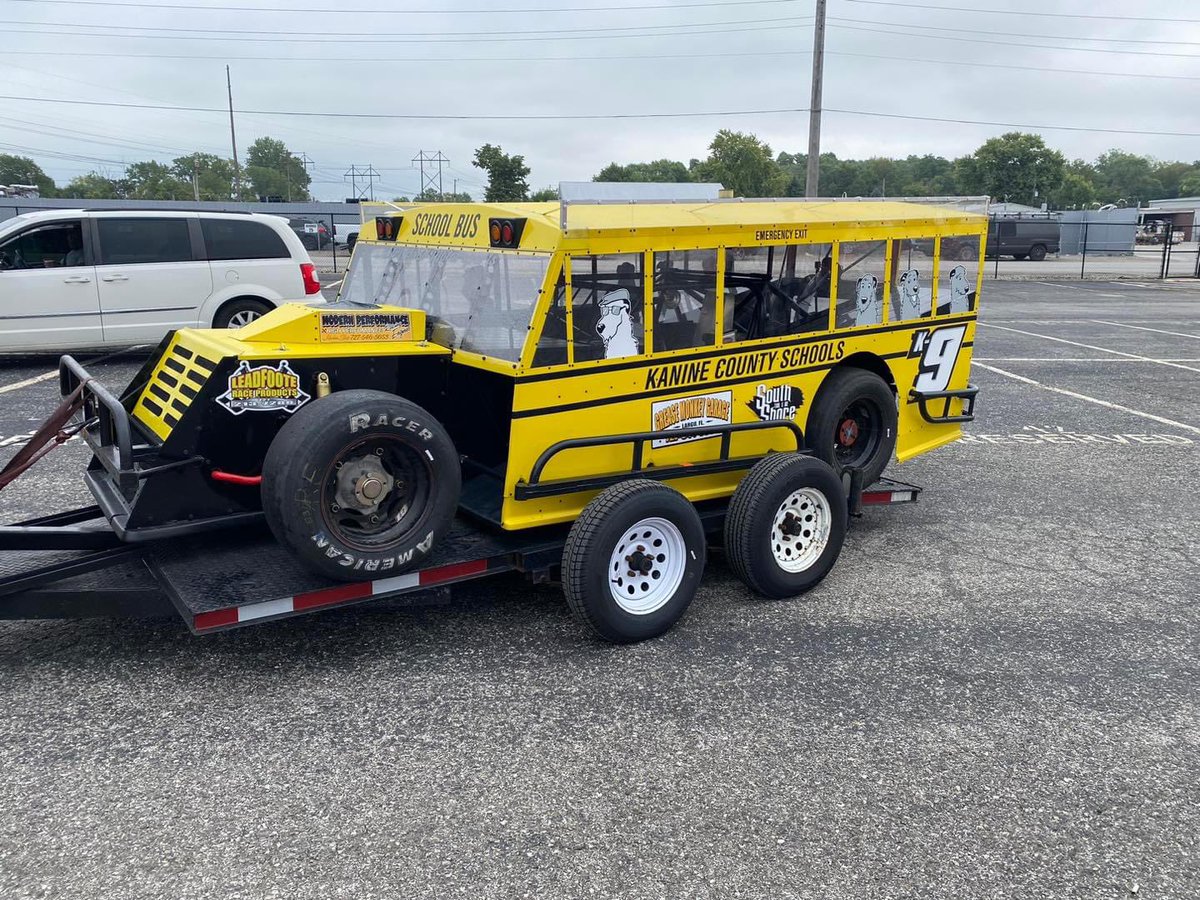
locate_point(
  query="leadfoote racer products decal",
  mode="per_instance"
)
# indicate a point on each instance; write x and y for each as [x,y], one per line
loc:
[349,327]
[266,388]
[776,404]
[690,412]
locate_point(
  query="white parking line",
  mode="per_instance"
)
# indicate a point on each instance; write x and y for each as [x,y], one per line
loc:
[1195,337]
[46,376]
[1076,359]
[1096,400]
[333,284]
[1047,337]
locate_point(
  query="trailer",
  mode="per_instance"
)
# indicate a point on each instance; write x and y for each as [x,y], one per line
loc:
[72,565]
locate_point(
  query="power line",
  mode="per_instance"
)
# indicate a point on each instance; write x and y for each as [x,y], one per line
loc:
[609,116]
[1024,34]
[721,29]
[893,32]
[700,58]
[1014,12]
[388,34]
[342,11]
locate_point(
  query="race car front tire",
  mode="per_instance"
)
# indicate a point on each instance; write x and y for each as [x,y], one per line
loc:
[361,485]
[853,422]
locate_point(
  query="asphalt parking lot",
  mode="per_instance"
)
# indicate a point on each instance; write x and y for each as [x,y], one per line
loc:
[993,695]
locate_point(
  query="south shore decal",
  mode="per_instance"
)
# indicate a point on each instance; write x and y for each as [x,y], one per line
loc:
[264,388]
[351,327]
[754,362]
[690,412]
[776,404]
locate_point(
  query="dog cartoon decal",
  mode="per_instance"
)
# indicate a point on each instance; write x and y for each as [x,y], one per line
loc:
[867,308]
[961,290]
[908,289]
[615,326]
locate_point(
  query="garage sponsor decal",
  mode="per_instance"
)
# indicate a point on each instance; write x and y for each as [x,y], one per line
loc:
[776,404]
[351,327]
[690,412]
[263,389]
[739,365]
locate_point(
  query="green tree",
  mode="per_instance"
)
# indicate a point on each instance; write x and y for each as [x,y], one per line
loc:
[213,175]
[743,164]
[1015,167]
[660,170]
[1189,185]
[94,186]
[1126,176]
[1171,174]
[432,196]
[23,170]
[274,171]
[1075,192]
[154,181]
[545,195]
[506,174]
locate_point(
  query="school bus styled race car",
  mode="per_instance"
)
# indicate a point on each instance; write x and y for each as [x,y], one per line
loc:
[603,380]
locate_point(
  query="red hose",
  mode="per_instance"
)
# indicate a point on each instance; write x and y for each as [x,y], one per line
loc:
[230,478]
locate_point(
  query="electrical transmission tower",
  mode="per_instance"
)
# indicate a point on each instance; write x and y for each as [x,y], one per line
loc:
[357,174]
[431,184]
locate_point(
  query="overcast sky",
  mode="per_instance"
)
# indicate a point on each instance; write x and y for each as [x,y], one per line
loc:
[729,56]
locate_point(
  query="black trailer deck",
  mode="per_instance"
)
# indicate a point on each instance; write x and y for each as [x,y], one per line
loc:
[227,579]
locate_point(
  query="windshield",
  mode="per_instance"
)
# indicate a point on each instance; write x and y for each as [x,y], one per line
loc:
[480,301]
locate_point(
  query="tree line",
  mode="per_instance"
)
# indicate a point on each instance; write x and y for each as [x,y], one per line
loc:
[271,170]
[1014,167]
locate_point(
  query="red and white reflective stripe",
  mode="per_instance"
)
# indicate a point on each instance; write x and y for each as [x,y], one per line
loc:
[344,593]
[888,496]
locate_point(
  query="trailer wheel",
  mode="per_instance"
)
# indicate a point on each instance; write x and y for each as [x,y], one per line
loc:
[785,525]
[633,561]
[853,422]
[360,483]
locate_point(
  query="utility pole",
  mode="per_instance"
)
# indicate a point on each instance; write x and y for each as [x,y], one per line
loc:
[305,162]
[196,177]
[813,175]
[357,173]
[237,171]
[431,184]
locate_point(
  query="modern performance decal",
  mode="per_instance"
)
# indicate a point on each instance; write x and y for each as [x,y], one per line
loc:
[690,412]
[938,351]
[263,388]
[352,327]
[776,404]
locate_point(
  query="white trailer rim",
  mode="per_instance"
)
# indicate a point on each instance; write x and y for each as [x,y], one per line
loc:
[800,532]
[647,565]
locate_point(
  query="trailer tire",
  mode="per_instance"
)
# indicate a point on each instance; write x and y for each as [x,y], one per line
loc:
[853,422]
[605,544]
[785,525]
[360,484]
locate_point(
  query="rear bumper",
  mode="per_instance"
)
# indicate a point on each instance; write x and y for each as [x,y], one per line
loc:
[966,395]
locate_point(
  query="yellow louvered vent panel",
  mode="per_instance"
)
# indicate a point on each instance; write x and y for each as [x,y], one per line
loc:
[175,382]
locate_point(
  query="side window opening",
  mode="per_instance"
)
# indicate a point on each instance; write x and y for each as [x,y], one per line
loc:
[912,284]
[773,291]
[607,303]
[51,246]
[685,299]
[958,277]
[861,277]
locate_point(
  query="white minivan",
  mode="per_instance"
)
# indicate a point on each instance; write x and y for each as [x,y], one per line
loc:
[71,279]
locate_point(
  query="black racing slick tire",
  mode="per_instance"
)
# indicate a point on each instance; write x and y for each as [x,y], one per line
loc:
[853,422]
[633,561]
[360,484]
[785,525]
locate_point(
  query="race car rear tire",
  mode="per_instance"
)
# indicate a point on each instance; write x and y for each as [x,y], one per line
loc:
[360,484]
[633,561]
[785,525]
[853,422]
